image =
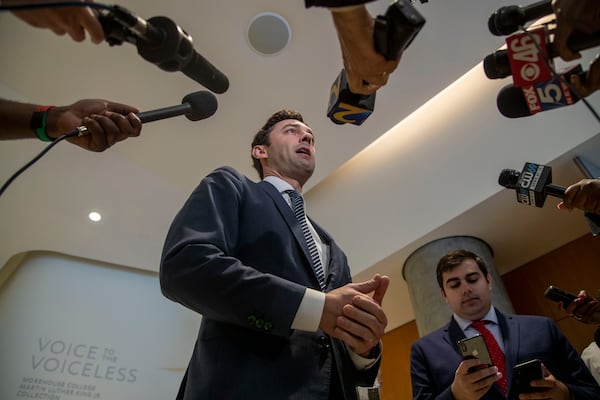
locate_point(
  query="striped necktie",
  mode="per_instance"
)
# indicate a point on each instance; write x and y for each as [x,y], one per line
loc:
[495,352]
[298,207]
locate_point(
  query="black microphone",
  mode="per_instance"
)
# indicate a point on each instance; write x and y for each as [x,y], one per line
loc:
[533,185]
[509,19]
[195,106]
[162,42]
[497,64]
[517,102]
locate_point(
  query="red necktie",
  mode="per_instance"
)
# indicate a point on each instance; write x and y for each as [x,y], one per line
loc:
[495,352]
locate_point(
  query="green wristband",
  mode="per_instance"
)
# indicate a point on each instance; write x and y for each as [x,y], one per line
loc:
[38,123]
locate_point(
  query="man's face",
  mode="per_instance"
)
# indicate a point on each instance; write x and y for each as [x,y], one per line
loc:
[291,152]
[467,291]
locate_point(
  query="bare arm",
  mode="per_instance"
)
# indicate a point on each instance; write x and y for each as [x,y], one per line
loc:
[75,21]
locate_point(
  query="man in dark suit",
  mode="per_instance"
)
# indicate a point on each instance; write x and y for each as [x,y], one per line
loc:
[438,370]
[236,254]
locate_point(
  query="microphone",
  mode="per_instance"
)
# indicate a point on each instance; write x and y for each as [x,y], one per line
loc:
[195,106]
[533,185]
[393,33]
[162,42]
[497,64]
[509,19]
[517,102]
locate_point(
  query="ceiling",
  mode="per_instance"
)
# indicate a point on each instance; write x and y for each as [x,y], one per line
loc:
[438,90]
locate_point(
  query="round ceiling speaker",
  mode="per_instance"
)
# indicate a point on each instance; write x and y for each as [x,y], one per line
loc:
[268,33]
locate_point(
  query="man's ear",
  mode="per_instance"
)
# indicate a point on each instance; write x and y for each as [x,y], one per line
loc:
[443,293]
[259,151]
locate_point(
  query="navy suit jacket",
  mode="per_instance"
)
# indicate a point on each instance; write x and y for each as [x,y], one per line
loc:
[435,357]
[236,254]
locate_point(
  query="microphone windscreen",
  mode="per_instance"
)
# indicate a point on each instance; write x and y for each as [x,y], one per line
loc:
[203,104]
[497,65]
[509,178]
[511,102]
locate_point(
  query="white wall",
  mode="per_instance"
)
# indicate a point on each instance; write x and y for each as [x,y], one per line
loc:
[77,329]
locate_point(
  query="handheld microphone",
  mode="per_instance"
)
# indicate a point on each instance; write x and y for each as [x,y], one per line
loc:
[533,185]
[509,19]
[162,42]
[393,33]
[497,64]
[195,106]
[527,54]
[517,102]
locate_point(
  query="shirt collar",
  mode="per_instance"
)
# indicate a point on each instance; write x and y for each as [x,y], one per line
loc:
[279,183]
[490,316]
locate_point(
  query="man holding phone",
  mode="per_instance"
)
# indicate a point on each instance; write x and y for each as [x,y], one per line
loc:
[438,369]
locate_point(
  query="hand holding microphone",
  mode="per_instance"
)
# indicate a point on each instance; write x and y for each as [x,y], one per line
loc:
[531,64]
[366,69]
[574,16]
[584,195]
[352,94]
[106,123]
[533,185]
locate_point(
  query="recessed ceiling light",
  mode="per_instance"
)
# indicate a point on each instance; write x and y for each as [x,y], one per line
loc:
[94,216]
[268,33]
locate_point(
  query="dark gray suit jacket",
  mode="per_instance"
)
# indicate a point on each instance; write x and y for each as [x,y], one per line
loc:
[435,357]
[235,254]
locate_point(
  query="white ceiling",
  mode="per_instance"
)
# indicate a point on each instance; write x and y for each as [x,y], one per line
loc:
[441,181]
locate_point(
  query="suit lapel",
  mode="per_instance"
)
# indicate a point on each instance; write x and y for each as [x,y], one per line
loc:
[454,334]
[510,334]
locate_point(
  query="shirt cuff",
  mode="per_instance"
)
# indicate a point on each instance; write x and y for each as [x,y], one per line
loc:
[308,316]
[361,362]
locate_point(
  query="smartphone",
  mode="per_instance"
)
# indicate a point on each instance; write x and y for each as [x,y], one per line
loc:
[526,372]
[556,294]
[475,347]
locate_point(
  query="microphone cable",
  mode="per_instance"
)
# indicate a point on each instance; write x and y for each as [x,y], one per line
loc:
[75,132]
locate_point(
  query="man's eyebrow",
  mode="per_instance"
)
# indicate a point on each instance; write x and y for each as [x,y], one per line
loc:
[297,125]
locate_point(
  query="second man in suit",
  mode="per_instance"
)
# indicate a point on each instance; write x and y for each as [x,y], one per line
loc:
[439,372]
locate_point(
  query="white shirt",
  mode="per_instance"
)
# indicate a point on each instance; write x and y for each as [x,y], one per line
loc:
[591,357]
[308,315]
[310,311]
[493,327]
